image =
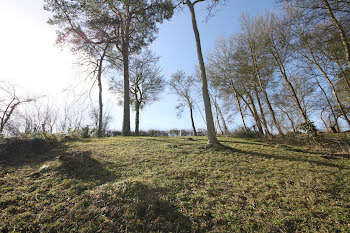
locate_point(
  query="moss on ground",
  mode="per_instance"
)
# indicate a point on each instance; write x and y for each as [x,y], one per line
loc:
[129,184]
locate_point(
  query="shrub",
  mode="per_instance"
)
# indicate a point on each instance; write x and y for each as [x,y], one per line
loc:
[309,128]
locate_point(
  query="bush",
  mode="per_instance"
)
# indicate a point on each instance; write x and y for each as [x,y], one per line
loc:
[309,128]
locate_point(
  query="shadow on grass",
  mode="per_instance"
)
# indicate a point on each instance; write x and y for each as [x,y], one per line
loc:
[270,143]
[136,206]
[80,165]
[30,154]
[246,142]
[165,141]
[281,157]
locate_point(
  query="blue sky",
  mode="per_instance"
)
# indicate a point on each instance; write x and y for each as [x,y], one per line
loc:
[30,60]
[176,46]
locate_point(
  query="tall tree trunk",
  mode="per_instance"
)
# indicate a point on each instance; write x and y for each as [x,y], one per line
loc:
[255,114]
[283,72]
[207,106]
[217,119]
[340,30]
[137,118]
[273,114]
[192,121]
[126,113]
[219,116]
[224,125]
[258,77]
[262,113]
[269,105]
[240,109]
[100,102]
[295,97]
[125,53]
[251,107]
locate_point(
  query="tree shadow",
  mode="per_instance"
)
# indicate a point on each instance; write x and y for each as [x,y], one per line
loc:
[80,165]
[246,142]
[175,143]
[138,207]
[272,144]
[294,158]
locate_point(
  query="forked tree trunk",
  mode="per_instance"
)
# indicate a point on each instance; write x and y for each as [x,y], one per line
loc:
[255,114]
[262,113]
[273,114]
[240,108]
[217,119]
[270,107]
[224,125]
[212,140]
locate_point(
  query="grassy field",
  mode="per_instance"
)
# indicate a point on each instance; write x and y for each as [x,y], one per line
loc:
[174,185]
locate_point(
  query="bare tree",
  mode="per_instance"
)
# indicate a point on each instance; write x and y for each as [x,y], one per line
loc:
[146,83]
[261,60]
[221,74]
[9,102]
[212,140]
[183,85]
[307,40]
[95,118]
[94,60]
[333,11]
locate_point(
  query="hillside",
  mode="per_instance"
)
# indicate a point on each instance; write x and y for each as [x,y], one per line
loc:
[174,185]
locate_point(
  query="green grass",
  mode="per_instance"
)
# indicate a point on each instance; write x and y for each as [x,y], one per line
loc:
[129,184]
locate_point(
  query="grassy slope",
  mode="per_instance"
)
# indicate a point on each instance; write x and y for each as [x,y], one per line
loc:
[174,184]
